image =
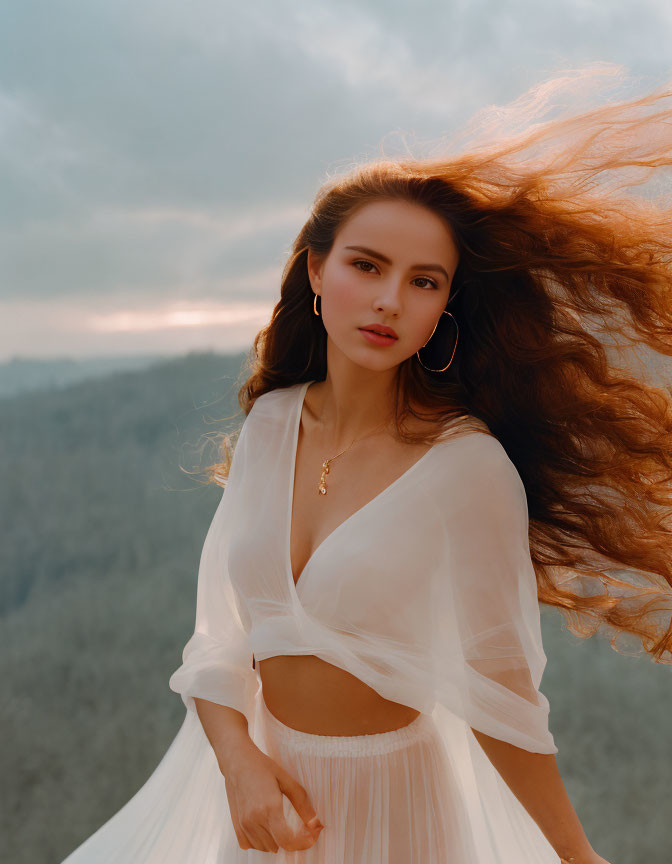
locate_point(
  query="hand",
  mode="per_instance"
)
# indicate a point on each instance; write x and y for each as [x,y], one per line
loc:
[255,784]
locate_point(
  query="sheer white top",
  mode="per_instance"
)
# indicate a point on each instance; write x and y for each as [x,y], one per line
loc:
[427,593]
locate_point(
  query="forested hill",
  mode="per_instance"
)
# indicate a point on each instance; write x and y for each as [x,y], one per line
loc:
[91,473]
[101,534]
[23,374]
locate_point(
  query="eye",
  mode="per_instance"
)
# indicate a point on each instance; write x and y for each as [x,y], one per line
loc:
[431,282]
[355,263]
[425,279]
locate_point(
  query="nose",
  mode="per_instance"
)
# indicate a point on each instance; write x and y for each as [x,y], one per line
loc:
[388,296]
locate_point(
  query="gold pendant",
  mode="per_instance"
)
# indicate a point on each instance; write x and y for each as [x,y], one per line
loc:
[322,488]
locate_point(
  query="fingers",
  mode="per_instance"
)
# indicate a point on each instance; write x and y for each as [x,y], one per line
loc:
[283,835]
[263,840]
[266,828]
[257,835]
[242,838]
[277,834]
[300,799]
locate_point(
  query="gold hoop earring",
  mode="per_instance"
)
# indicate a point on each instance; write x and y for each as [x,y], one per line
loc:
[315,305]
[445,312]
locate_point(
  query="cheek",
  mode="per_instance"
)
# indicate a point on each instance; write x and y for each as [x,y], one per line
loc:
[424,327]
[345,297]
[418,328]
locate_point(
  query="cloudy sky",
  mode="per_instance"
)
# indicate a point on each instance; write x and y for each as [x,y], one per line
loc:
[158,157]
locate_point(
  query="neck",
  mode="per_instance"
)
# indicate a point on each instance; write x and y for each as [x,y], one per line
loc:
[343,408]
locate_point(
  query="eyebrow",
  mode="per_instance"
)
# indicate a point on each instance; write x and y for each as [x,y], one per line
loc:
[437,268]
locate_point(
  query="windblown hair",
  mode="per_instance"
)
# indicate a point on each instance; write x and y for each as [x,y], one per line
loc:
[551,253]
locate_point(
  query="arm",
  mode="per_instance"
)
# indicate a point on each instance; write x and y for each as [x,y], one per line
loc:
[226,730]
[535,780]
[492,592]
[217,659]
[218,685]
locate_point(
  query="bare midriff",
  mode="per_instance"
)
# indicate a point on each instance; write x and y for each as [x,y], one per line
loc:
[311,695]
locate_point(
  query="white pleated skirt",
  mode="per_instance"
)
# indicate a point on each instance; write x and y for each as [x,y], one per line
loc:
[423,793]
[384,798]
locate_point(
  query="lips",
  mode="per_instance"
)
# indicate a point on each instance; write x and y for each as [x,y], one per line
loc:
[381,330]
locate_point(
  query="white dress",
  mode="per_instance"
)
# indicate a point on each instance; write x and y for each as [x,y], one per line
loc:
[428,594]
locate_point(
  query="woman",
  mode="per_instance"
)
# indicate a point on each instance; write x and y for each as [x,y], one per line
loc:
[362,684]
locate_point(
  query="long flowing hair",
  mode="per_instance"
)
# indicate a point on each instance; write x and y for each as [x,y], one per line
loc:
[558,256]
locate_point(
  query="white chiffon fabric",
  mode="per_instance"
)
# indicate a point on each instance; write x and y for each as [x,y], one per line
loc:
[381,797]
[428,594]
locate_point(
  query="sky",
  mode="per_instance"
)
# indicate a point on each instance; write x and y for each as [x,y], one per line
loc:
[157,157]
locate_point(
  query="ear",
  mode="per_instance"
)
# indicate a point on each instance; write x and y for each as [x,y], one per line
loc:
[315,265]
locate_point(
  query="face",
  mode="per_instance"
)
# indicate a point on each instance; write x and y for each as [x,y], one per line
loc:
[361,289]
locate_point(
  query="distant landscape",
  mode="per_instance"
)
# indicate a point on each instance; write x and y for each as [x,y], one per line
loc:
[104,516]
[24,374]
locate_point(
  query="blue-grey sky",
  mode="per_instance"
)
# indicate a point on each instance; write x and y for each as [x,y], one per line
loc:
[158,157]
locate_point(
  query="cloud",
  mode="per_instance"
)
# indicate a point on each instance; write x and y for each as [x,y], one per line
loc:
[158,151]
[135,254]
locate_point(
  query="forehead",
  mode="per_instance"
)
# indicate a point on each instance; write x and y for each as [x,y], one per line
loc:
[401,229]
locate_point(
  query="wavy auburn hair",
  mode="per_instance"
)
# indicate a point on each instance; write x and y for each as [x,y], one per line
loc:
[551,253]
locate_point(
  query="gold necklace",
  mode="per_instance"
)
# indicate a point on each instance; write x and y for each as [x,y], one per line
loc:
[322,488]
